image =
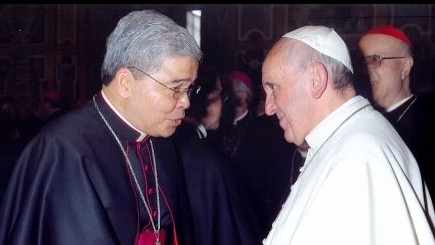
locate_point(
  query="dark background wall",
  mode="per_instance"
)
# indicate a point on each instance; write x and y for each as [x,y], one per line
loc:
[61,46]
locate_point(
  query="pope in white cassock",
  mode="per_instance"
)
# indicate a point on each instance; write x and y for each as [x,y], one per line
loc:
[360,184]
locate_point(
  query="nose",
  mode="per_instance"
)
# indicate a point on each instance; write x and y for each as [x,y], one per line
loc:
[269,106]
[184,101]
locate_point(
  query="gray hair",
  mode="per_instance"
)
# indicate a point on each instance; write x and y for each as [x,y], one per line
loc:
[339,73]
[144,39]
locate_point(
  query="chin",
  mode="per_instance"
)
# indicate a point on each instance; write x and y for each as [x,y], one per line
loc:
[167,132]
[288,138]
[213,126]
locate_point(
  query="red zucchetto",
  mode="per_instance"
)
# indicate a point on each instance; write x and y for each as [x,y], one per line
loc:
[390,31]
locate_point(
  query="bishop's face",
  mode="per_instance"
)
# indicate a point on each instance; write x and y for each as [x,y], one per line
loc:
[154,106]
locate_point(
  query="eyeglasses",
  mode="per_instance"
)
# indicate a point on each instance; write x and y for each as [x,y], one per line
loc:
[217,95]
[178,92]
[374,61]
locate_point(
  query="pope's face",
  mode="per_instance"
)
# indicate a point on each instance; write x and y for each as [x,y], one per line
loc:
[286,94]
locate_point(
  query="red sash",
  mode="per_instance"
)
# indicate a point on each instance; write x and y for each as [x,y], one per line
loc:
[148,237]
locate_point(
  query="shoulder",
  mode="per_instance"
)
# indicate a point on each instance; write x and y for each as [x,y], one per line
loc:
[373,146]
[74,125]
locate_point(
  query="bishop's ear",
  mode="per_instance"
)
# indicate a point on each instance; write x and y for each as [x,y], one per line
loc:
[123,80]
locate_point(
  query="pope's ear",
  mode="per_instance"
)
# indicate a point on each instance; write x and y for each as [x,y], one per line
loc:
[319,79]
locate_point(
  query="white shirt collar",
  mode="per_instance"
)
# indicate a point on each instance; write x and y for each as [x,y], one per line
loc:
[240,117]
[398,103]
[142,134]
[203,131]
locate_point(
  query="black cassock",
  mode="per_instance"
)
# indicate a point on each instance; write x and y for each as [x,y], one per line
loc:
[219,212]
[71,185]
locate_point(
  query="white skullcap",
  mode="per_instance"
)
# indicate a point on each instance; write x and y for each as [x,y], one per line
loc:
[325,40]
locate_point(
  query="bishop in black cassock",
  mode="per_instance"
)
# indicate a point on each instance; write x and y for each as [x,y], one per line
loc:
[71,185]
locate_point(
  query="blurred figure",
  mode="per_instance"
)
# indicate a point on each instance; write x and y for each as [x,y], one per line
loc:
[106,173]
[236,115]
[389,61]
[31,121]
[51,107]
[259,102]
[219,217]
[360,183]
[10,139]
[10,131]
[19,122]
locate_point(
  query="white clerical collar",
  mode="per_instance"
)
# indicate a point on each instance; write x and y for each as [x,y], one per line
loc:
[240,117]
[203,131]
[303,152]
[391,108]
[142,134]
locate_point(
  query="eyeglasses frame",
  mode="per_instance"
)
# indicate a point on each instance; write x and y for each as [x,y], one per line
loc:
[379,59]
[177,94]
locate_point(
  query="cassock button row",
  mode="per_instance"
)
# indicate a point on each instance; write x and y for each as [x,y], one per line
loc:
[154,214]
[150,191]
[146,167]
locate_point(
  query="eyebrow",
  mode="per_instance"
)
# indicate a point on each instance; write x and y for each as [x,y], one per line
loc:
[181,80]
[268,83]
